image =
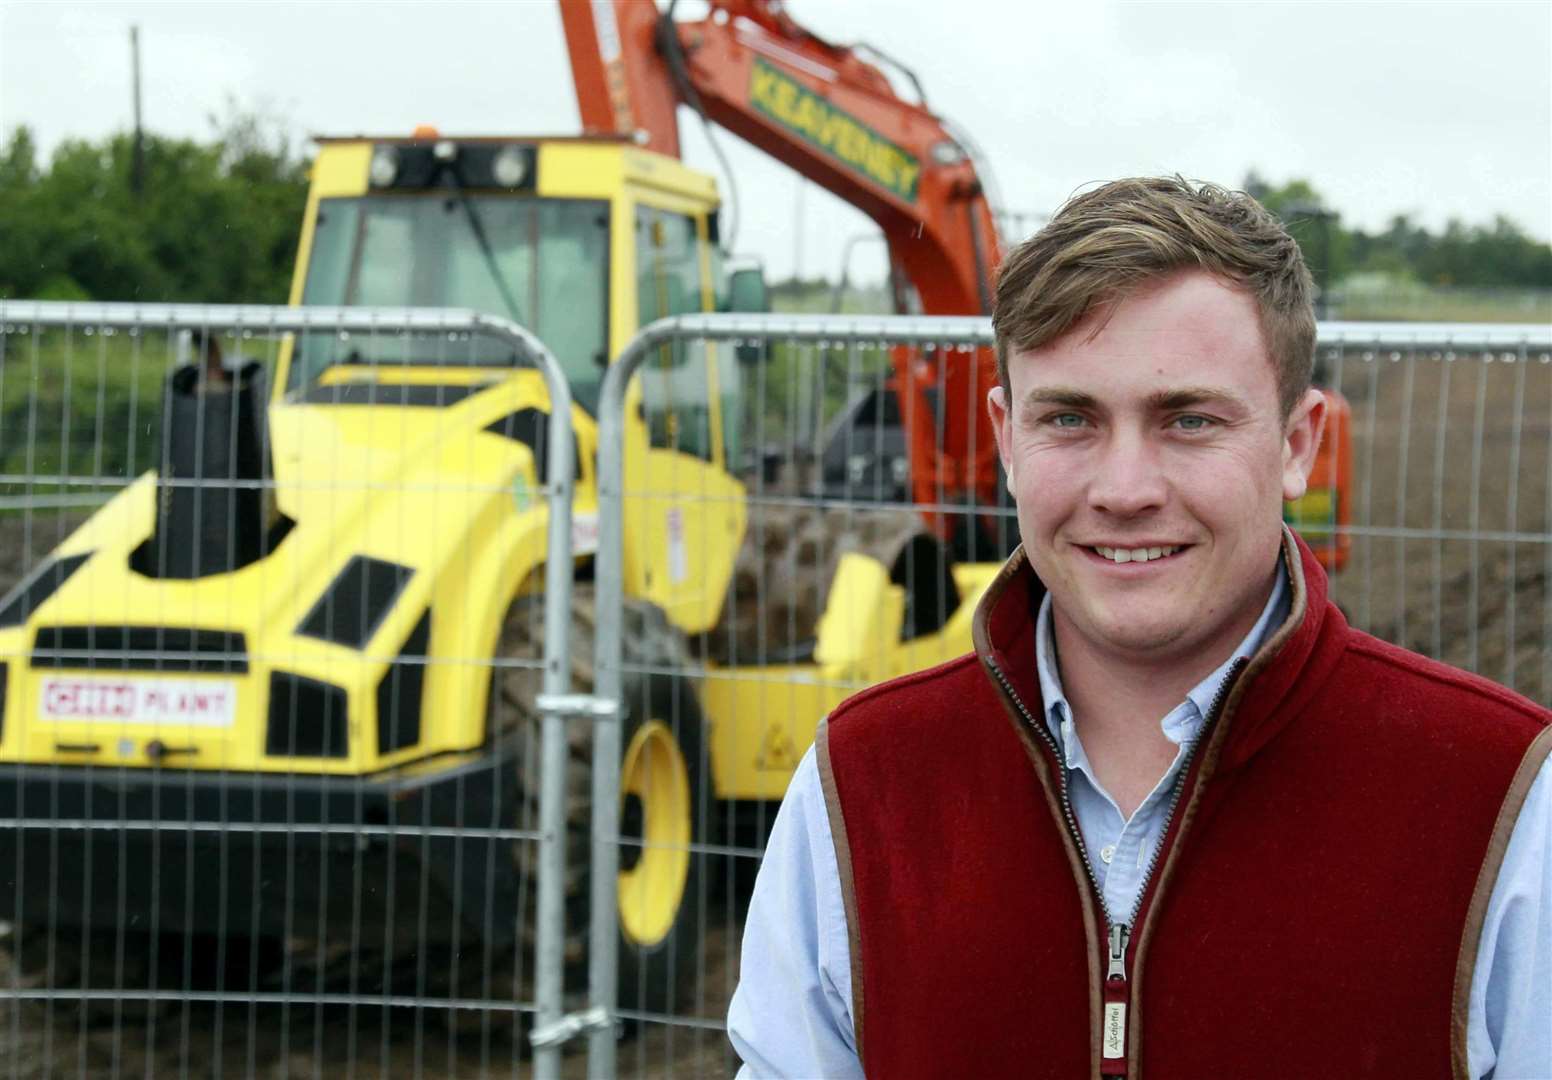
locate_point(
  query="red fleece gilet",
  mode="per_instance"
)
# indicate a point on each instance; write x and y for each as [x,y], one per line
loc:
[1317,899]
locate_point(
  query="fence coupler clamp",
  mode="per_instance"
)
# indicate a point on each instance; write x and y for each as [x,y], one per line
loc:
[568,1027]
[588,705]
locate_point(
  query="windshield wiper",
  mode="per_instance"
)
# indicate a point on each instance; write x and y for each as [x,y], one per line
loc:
[477,224]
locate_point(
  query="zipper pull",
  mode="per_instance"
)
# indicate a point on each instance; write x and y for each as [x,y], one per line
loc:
[1112,1032]
[1120,934]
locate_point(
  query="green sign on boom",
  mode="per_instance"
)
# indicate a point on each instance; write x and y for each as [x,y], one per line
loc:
[842,136]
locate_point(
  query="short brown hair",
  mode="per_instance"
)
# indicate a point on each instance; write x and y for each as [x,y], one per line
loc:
[1104,244]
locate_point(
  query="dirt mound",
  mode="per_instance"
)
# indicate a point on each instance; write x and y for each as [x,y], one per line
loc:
[782,575]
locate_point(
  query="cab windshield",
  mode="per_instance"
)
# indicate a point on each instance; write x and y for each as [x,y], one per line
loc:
[543,264]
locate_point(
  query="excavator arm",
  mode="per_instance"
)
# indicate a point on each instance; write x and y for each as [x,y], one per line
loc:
[830,113]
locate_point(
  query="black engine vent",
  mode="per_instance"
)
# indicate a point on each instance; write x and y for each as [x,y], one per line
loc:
[401,693]
[37,587]
[531,427]
[140,648]
[307,718]
[354,604]
[423,395]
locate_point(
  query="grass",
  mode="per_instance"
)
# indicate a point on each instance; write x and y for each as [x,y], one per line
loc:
[1403,302]
[78,406]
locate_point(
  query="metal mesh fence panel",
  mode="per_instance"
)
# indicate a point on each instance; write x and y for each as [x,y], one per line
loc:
[826,570]
[275,645]
[273,794]
[1452,522]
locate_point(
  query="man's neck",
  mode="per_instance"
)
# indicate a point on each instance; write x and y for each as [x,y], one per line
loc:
[1138,692]
[1118,701]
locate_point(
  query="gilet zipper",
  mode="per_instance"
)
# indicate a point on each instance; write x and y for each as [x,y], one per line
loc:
[1115,993]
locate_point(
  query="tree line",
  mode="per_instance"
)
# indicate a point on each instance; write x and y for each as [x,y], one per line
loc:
[217,221]
[1498,254]
[208,222]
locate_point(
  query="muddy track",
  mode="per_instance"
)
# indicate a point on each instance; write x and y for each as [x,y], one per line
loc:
[274,1042]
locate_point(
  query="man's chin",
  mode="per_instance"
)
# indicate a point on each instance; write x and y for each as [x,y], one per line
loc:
[1145,638]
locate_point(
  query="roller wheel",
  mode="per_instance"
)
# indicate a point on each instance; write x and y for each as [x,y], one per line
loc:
[663,775]
[800,547]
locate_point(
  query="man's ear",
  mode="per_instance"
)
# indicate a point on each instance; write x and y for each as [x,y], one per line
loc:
[1002,424]
[1301,438]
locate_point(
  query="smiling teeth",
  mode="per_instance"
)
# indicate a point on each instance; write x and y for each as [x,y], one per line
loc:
[1136,554]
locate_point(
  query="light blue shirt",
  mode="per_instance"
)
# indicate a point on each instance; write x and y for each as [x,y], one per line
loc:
[791,1014]
[1121,850]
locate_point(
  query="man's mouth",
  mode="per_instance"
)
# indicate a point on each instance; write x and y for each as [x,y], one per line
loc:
[1137,554]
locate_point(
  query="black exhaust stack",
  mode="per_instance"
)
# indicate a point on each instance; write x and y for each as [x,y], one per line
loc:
[215,500]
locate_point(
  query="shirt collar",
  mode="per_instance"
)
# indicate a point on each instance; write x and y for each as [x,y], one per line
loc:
[1185,719]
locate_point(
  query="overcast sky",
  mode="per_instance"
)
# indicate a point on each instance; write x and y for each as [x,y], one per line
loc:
[1436,109]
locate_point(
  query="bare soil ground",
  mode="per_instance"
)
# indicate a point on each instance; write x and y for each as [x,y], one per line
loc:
[1453,497]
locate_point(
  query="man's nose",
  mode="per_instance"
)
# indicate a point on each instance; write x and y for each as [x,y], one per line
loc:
[1128,478]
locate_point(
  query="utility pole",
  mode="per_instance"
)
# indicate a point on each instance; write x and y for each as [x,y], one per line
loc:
[1311,226]
[137,175]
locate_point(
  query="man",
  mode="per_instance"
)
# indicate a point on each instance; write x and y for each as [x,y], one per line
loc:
[1174,818]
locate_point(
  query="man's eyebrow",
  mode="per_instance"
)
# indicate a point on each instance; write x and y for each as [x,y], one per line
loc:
[1060,396]
[1173,400]
[1191,397]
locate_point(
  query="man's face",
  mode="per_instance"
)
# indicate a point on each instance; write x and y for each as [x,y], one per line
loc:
[1149,459]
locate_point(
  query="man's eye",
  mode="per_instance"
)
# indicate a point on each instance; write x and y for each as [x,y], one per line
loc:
[1066,420]
[1193,423]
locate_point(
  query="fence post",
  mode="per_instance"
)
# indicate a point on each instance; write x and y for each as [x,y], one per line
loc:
[609,598]
[549,974]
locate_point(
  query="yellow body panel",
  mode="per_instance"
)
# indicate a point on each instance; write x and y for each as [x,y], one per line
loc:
[685,522]
[424,488]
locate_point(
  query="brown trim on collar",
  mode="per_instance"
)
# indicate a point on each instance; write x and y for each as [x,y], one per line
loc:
[1263,657]
[1465,964]
[1091,929]
[842,847]
[980,634]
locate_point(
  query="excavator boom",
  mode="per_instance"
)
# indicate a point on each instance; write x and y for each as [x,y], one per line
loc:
[830,113]
[623,86]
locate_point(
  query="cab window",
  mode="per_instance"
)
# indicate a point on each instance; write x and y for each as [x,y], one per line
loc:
[675,390]
[543,263]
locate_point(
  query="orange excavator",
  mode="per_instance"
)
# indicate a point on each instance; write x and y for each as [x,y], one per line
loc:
[831,113]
